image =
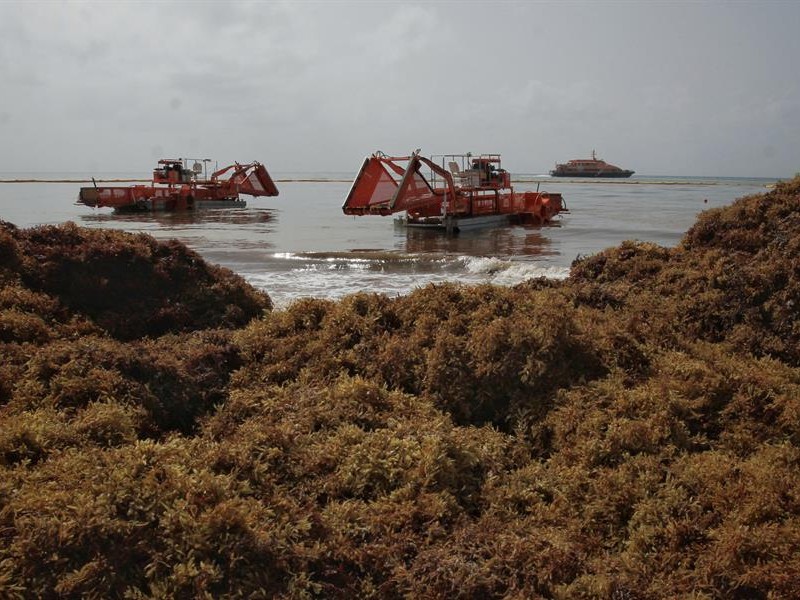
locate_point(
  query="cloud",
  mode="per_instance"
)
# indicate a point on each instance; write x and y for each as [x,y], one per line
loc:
[320,84]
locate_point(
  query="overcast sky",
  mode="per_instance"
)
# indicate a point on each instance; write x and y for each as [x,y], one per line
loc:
[664,88]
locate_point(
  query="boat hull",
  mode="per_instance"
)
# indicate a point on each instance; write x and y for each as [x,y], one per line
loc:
[166,205]
[601,174]
[154,199]
[454,224]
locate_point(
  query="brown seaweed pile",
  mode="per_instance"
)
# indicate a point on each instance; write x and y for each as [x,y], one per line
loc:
[631,433]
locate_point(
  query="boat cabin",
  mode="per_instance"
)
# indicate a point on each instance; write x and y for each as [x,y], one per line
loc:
[176,170]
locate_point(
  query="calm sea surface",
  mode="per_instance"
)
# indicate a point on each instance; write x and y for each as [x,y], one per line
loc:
[300,244]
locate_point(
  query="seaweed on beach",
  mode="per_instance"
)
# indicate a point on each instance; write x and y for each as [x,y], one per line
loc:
[129,285]
[630,432]
[734,278]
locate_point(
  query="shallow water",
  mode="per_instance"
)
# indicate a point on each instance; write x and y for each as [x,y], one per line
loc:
[300,244]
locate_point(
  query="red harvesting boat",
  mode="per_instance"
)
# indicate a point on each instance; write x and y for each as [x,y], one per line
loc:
[177,186]
[463,191]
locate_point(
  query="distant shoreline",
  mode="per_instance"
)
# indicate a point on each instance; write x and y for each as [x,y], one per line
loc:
[324,180]
[769,182]
[72,180]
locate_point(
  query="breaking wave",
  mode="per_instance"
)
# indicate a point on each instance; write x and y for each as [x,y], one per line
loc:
[333,275]
[510,272]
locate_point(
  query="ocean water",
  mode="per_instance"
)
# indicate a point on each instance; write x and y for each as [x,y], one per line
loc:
[299,244]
